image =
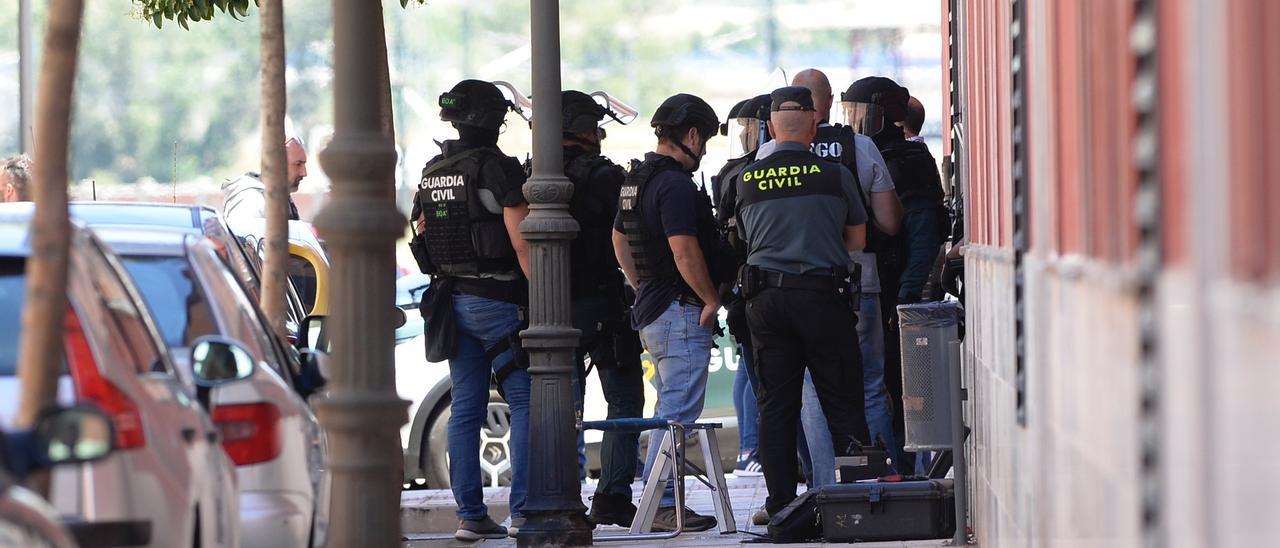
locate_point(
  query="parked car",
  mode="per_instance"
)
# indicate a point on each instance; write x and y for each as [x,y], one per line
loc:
[61,437]
[427,387]
[267,427]
[169,483]
[308,262]
[242,255]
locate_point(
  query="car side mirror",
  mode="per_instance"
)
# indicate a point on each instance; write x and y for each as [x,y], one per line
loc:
[215,361]
[73,435]
[400,318]
[313,374]
[312,334]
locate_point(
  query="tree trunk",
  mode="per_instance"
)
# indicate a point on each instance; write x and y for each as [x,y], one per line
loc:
[40,350]
[273,165]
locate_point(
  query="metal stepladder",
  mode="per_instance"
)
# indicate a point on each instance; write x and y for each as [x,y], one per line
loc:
[670,465]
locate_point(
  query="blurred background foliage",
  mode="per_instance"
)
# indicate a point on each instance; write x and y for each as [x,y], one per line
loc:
[145,92]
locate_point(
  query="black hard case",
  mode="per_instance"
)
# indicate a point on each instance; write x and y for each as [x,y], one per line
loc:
[907,510]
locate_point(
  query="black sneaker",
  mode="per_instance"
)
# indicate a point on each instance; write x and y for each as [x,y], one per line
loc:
[611,510]
[471,531]
[665,521]
[748,467]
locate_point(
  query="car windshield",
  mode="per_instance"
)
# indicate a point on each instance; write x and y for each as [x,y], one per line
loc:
[12,289]
[169,287]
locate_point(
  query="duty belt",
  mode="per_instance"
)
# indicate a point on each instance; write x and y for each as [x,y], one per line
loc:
[781,280]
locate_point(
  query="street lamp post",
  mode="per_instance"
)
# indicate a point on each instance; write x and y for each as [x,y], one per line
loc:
[554,512]
[361,414]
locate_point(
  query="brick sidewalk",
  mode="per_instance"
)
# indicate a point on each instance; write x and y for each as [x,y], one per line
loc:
[428,520]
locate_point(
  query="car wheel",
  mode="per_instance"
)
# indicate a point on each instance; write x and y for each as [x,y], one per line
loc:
[495,445]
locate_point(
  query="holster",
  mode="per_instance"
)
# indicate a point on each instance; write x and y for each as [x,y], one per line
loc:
[850,285]
[750,281]
[512,342]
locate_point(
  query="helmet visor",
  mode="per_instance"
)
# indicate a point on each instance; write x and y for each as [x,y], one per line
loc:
[745,136]
[864,118]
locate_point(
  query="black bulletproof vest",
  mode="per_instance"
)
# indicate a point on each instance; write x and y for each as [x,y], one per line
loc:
[652,258]
[725,199]
[788,174]
[835,143]
[463,236]
[914,173]
[597,182]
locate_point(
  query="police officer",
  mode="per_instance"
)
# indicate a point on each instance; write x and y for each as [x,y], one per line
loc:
[801,216]
[599,301]
[858,153]
[747,130]
[666,241]
[873,106]
[467,212]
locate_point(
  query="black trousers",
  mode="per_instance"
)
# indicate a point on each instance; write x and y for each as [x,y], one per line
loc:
[614,348]
[792,329]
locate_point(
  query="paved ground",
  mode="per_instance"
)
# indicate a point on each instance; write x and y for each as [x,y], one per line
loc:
[428,519]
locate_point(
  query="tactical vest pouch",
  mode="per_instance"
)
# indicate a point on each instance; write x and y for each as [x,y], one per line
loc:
[418,246]
[440,322]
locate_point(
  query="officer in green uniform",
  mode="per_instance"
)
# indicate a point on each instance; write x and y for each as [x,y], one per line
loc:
[801,216]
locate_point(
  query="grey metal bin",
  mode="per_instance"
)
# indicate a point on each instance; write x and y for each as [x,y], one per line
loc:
[927,331]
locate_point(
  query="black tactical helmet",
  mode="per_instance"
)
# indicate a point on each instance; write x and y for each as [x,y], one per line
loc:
[582,114]
[685,110]
[474,103]
[756,107]
[880,91]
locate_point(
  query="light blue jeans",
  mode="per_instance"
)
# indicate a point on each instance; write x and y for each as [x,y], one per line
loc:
[482,323]
[879,417]
[681,352]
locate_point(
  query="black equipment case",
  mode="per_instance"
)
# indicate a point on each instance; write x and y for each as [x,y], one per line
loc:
[906,510]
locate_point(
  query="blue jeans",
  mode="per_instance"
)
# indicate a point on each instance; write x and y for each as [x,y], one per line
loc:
[681,352]
[876,396]
[744,402]
[482,323]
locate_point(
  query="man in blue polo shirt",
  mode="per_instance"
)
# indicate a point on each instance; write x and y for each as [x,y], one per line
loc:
[666,241]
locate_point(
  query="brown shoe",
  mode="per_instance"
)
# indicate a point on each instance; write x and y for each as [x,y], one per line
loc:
[665,520]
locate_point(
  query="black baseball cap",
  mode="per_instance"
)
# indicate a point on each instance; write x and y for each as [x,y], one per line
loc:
[791,94]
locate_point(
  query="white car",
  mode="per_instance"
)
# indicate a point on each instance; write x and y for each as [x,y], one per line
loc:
[168,483]
[268,429]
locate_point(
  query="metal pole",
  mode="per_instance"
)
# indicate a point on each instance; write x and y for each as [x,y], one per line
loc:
[958,459]
[554,512]
[26,79]
[361,414]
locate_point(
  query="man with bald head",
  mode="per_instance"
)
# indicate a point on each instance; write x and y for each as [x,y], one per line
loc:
[858,153]
[801,216]
[246,195]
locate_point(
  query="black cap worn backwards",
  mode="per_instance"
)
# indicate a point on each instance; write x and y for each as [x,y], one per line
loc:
[685,110]
[791,94]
